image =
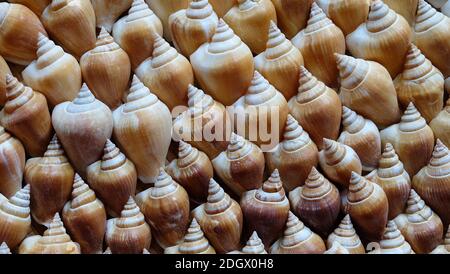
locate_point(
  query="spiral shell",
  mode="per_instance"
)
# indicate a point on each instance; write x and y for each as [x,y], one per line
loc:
[4,249]
[421,227]
[163,9]
[393,242]
[317,108]
[338,161]
[292,15]
[194,242]
[298,239]
[441,125]
[15,220]
[26,116]
[12,163]
[241,166]
[254,245]
[317,203]
[85,217]
[363,136]
[220,219]
[129,233]
[412,139]
[166,208]
[107,12]
[346,235]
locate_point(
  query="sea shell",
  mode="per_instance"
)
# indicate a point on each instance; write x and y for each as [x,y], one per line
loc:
[51,179]
[367,88]
[363,136]
[338,162]
[393,242]
[412,139]
[167,74]
[19,30]
[15,220]
[280,62]
[254,245]
[421,227]
[85,217]
[317,203]
[317,108]
[192,27]
[292,15]
[220,219]
[142,129]
[4,70]
[113,178]
[394,180]
[405,8]
[221,7]
[383,38]
[71,23]
[318,43]
[241,166]
[444,248]
[54,241]
[294,156]
[37,6]
[108,11]
[135,32]
[164,8]
[298,239]
[12,163]
[54,73]
[420,83]
[441,125]
[224,66]
[346,235]
[129,233]
[106,70]
[336,248]
[166,208]
[83,126]
[4,249]
[26,116]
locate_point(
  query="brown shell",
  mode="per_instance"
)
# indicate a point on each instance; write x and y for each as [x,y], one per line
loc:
[292,15]
[346,235]
[441,124]
[12,163]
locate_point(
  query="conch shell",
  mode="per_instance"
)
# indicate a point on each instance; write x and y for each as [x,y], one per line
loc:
[420,83]
[165,8]
[292,15]
[192,27]
[106,70]
[83,126]
[412,139]
[254,245]
[346,235]
[26,116]
[280,62]
[317,108]
[107,11]
[367,88]
[383,38]
[54,73]
[37,6]
[441,125]
[54,241]
[392,242]
[12,163]
[318,43]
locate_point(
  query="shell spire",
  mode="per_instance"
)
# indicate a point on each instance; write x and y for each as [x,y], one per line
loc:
[294,135]
[295,231]
[81,193]
[416,209]
[359,189]
[47,52]
[105,42]
[254,245]
[272,190]
[426,17]
[198,99]
[139,96]
[218,201]
[317,19]
[130,216]
[238,147]
[139,9]
[224,39]
[55,149]
[187,154]
[316,185]
[334,151]
[4,249]
[164,185]
[112,157]
[439,164]
[163,53]
[412,120]
[351,121]
[17,94]
[416,64]
[199,9]
[380,17]
[56,233]
[346,235]
[84,97]
[352,71]
[19,204]
[277,45]
[389,164]
[260,90]
[194,240]
[393,241]
[310,88]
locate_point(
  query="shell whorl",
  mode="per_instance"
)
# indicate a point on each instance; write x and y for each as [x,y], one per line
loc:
[4,249]
[351,121]
[218,201]
[84,102]
[393,239]
[334,151]
[416,209]
[317,19]
[295,231]
[310,88]
[17,94]
[426,17]
[412,120]
[439,164]
[139,10]
[352,71]
[416,64]
[112,157]
[164,185]
[277,44]
[194,240]
[163,53]
[130,216]
[380,17]
[224,39]
[47,52]
[198,101]
[294,136]
[81,193]
[260,90]
[19,204]
[254,245]
[359,189]
[316,185]
[56,233]
[345,229]
[199,9]
[55,149]
[246,4]
[238,147]
[389,164]
[187,154]
[272,190]
[139,96]
[105,42]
